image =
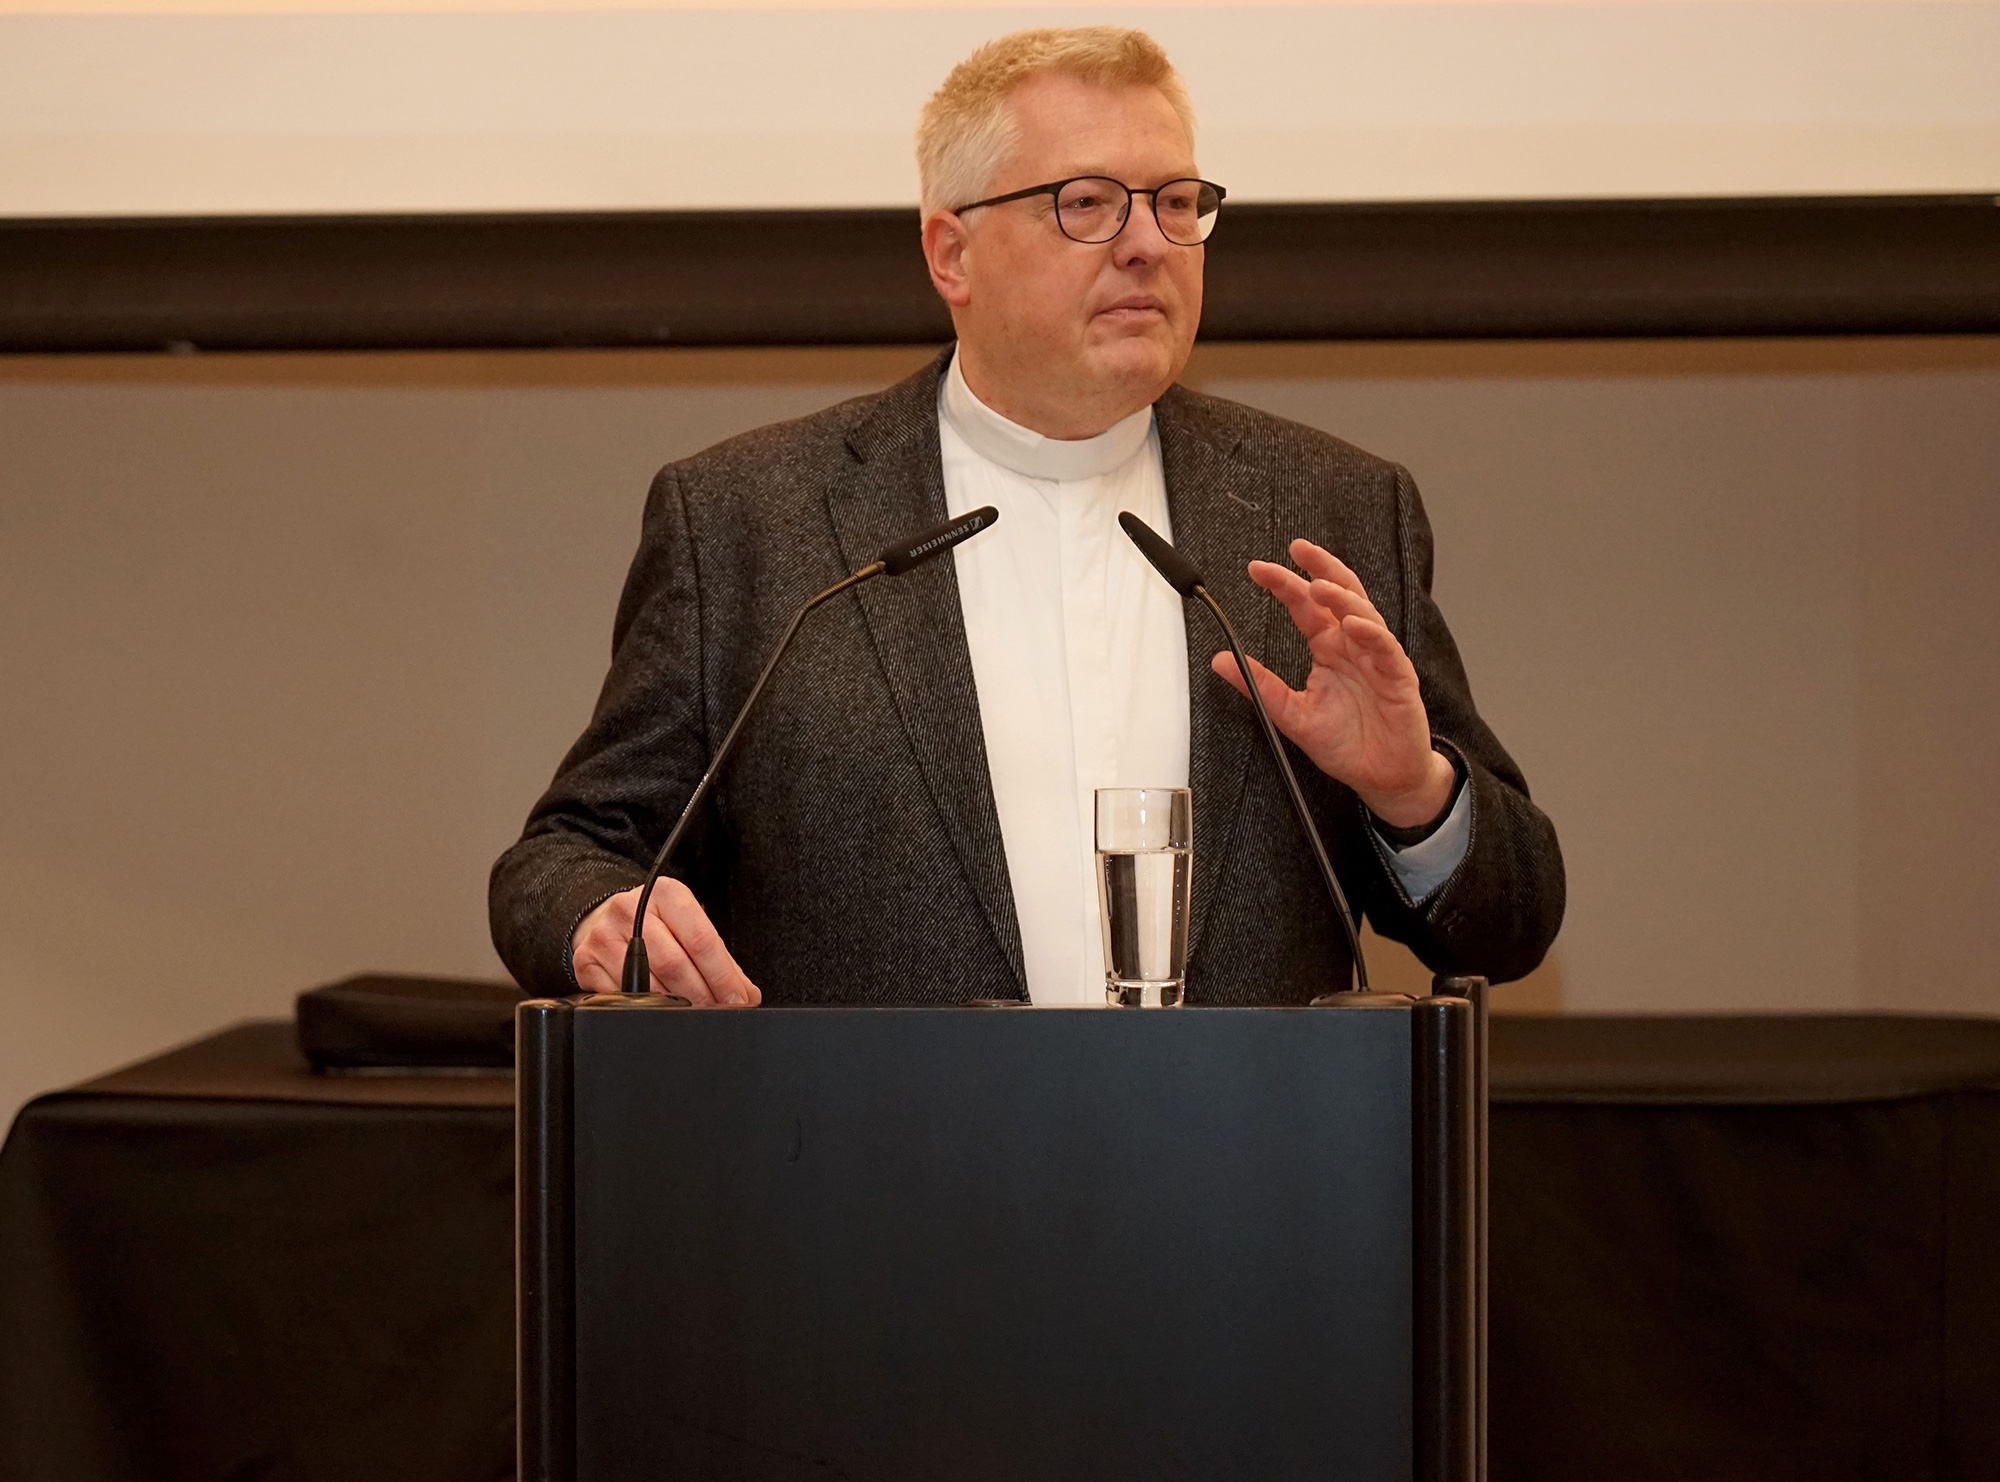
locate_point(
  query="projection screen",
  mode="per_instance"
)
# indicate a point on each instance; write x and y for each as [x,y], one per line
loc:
[110,109]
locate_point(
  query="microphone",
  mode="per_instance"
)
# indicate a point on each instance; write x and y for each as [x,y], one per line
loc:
[905,555]
[1184,577]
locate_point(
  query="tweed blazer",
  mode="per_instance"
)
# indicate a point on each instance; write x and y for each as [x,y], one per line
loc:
[852,852]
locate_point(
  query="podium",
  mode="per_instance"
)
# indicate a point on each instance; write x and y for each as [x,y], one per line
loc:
[965,1244]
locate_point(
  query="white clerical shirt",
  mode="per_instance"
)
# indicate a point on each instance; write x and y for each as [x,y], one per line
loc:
[1079,654]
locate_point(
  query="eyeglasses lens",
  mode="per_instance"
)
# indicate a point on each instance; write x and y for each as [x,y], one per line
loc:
[1187,210]
[1094,210]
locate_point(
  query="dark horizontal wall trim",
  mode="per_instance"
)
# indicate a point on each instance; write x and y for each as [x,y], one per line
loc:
[1434,270]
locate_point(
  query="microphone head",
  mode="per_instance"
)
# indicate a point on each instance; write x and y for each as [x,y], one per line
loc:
[905,555]
[1179,571]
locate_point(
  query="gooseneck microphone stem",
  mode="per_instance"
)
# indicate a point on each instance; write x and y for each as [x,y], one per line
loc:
[637,976]
[1277,745]
[1184,577]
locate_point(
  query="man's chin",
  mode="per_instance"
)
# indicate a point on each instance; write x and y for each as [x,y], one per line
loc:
[1150,362]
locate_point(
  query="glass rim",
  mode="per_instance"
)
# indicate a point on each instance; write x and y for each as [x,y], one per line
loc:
[1163,813]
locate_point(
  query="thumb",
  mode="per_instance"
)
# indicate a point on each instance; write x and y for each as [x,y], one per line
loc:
[1224,664]
[1279,698]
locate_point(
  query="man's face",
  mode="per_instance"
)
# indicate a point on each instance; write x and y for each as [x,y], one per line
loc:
[1060,335]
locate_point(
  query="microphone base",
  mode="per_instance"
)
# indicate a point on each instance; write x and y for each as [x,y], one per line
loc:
[631,1001]
[1353,1000]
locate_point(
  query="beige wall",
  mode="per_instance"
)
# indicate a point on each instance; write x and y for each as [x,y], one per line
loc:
[288,645]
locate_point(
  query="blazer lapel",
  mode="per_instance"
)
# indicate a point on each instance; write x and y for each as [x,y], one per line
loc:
[1222,519]
[894,488]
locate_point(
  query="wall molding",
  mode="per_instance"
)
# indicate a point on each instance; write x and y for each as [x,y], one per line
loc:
[1429,270]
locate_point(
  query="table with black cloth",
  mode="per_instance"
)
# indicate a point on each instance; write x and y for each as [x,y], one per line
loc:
[1722,1248]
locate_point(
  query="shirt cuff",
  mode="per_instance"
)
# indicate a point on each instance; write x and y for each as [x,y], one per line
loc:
[1422,868]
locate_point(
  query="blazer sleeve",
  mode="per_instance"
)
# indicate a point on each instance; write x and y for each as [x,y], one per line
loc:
[594,832]
[1498,912]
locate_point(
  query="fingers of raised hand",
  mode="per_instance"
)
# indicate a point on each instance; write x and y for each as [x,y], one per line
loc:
[1343,601]
[692,960]
[1374,648]
[1291,589]
[1323,565]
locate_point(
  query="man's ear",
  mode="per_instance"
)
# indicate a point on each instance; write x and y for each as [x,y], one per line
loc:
[944,253]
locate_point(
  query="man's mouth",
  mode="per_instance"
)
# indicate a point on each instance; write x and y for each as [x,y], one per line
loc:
[1134,305]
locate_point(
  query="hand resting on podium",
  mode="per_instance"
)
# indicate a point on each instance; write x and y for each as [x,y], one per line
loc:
[687,954]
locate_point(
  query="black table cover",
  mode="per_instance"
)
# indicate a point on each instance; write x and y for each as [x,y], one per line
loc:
[1721,1248]
[218,1265]
[1745,1249]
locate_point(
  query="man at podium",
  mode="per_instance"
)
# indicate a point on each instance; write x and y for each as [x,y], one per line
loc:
[909,818]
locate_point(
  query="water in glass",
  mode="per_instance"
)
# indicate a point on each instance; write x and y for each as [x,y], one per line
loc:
[1144,897]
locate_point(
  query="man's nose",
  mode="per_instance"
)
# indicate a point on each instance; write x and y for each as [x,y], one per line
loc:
[1141,240]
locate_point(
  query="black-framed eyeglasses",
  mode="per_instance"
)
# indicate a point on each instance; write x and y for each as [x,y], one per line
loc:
[1094,208]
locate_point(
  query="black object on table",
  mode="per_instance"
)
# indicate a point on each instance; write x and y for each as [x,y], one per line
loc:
[376,1024]
[1722,1248]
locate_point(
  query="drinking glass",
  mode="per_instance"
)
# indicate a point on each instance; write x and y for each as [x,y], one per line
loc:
[1145,877]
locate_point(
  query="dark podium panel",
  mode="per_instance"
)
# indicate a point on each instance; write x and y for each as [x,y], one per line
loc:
[983,1244]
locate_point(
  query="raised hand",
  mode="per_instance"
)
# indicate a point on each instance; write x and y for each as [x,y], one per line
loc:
[1360,718]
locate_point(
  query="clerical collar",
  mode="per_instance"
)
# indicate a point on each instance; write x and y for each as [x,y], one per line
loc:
[1015,447]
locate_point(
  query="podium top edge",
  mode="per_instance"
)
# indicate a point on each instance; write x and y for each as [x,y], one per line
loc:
[573,1005]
